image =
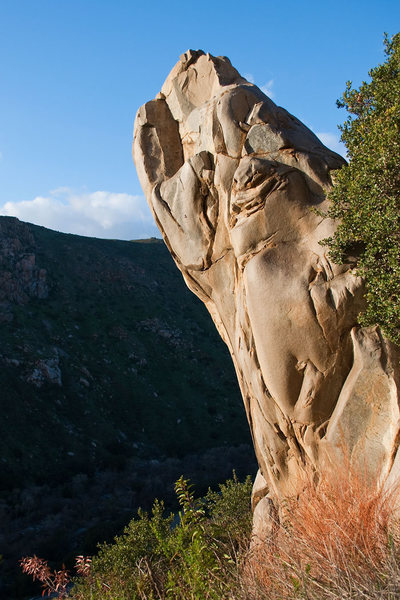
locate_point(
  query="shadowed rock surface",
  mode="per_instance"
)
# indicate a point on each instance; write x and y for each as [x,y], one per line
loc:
[232,180]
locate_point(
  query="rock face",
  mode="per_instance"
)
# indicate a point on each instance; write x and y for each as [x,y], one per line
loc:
[232,181]
[20,277]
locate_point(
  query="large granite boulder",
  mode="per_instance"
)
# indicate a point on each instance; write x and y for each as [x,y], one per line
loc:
[237,187]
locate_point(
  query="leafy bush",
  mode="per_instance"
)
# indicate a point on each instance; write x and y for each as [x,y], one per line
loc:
[191,555]
[366,194]
[231,519]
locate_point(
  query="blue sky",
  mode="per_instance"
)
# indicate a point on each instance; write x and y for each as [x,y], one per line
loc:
[74,72]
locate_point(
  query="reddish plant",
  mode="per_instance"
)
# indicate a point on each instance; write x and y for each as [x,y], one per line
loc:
[54,582]
[83,565]
[337,536]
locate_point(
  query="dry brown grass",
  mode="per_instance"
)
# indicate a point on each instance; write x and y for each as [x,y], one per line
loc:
[339,540]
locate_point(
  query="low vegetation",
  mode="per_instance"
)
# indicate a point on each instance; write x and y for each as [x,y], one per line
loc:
[337,540]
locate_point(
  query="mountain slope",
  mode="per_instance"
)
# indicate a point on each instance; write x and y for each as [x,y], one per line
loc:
[104,355]
[113,383]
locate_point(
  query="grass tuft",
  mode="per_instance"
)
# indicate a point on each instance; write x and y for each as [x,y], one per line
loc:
[339,540]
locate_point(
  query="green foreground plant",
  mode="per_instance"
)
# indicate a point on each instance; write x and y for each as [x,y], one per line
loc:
[366,192]
[338,540]
[191,555]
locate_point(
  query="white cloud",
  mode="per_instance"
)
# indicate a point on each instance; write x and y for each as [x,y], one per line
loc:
[60,190]
[267,88]
[332,141]
[96,214]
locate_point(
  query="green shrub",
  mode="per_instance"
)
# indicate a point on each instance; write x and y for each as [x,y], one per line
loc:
[230,515]
[187,556]
[366,194]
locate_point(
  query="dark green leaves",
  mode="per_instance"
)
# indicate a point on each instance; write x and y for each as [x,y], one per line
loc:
[366,194]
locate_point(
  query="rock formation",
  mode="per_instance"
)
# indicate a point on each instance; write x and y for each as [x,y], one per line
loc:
[20,277]
[234,182]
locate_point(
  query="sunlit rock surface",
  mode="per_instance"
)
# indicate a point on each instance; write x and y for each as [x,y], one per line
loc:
[233,182]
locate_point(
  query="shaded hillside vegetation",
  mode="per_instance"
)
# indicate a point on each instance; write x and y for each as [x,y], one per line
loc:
[105,354]
[113,381]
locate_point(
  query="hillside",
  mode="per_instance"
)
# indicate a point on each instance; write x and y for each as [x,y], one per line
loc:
[112,378]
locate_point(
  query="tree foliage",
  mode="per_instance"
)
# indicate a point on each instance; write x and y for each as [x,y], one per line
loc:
[366,194]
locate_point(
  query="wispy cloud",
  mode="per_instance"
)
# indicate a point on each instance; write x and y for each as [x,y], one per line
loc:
[249,77]
[97,214]
[332,141]
[267,88]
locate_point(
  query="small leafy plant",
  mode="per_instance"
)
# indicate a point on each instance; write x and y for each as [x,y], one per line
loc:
[163,556]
